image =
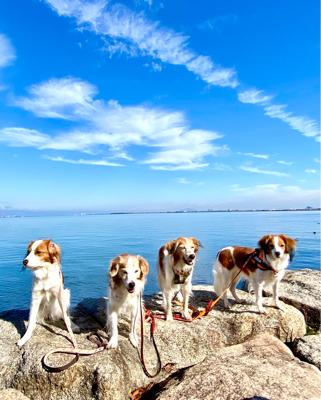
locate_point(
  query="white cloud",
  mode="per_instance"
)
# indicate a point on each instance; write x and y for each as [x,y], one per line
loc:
[307,127]
[285,162]
[276,193]
[317,160]
[222,167]
[7,52]
[86,162]
[133,33]
[311,171]
[108,126]
[254,96]
[264,156]
[214,23]
[262,171]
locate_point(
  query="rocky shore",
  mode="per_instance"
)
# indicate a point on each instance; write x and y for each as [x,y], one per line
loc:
[229,354]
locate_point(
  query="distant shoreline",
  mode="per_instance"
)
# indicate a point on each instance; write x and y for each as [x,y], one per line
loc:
[30,214]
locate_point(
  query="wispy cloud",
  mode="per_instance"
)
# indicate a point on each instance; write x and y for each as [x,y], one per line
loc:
[317,160]
[254,96]
[264,156]
[222,167]
[109,127]
[184,181]
[263,171]
[285,162]
[277,193]
[307,127]
[217,22]
[86,162]
[311,171]
[132,32]
[7,52]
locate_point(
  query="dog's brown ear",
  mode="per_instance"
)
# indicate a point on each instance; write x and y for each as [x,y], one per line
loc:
[114,266]
[143,264]
[197,243]
[263,242]
[29,247]
[54,251]
[290,244]
[171,246]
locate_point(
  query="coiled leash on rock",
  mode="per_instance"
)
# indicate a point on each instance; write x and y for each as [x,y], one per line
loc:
[67,350]
[95,338]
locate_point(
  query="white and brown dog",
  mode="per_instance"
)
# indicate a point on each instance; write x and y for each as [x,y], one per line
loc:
[43,259]
[176,261]
[266,267]
[127,277]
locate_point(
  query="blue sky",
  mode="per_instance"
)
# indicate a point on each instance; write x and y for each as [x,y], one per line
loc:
[159,105]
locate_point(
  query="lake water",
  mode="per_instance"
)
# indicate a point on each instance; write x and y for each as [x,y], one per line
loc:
[88,243]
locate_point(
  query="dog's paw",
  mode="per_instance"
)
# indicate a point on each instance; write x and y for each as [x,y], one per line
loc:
[187,316]
[263,311]
[227,305]
[241,301]
[21,342]
[277,305]
[113,343]
[133,341]
[169,317]
[75,328]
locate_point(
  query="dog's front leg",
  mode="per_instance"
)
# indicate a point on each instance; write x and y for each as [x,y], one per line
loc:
[112,320]
[258,288]
[35,303]
[275,299]
[186,291]
[135,309]
[167,296]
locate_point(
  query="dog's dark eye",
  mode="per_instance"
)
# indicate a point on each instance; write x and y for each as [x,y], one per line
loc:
[271,245]
[125,272]
[136,271]
[37,252]
[282,245]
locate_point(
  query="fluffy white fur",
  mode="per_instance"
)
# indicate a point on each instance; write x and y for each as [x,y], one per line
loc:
[127,277]
[45,302]
[276,251]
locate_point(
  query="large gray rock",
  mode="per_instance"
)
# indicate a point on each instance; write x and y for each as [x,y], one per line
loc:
[115,373]
[262,368]
[301,289]
[12,394]
[308,349]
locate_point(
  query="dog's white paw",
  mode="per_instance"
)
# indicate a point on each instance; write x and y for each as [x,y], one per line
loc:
[21,342]
[263,311]
[113,343]
[133,341]
[241,301]
[187,316]
[227,305]
[169,317]
[75,328]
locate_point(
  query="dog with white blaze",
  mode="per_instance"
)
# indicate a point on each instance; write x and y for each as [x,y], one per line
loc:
[43,259]
[264,267]
[127,278]
[176,261]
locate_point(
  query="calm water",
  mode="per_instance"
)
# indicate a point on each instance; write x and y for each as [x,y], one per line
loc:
[89,242]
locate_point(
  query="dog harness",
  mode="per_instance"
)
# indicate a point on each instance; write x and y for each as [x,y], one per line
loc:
[179,279]
[257,261]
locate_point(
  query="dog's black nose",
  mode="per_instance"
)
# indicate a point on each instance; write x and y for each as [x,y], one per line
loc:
[131,285]
[277,254]
[25,262]
[191,256]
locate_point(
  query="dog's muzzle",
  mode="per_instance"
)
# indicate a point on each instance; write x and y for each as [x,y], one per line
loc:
[190,259]
[25,262]
[131,287]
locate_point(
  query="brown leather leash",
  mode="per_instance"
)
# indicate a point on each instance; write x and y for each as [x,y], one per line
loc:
[148,314]
[67,350]
[196,313]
